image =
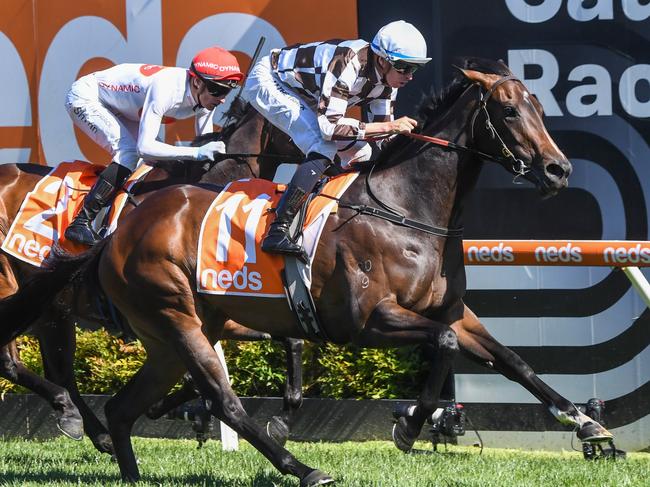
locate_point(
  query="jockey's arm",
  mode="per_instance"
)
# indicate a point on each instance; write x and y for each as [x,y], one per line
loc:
[149,147]
[402,125]
[333,103]
[381,121]
[335,126]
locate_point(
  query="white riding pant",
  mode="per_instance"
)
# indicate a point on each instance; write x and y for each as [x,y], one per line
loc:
[115,134]
[285,109]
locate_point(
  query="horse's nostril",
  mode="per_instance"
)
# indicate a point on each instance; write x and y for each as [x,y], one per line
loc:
[555,170]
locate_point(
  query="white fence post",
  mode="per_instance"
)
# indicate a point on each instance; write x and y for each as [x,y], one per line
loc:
[639,282]
[229,438]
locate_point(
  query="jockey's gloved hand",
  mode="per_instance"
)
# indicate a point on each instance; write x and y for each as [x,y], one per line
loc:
[208,150]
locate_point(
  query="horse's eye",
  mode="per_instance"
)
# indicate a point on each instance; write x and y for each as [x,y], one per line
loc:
[510,112]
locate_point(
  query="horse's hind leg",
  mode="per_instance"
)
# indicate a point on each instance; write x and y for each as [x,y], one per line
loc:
[479,345]
[208,374]
[68,418]
[187,392]
[11,368]
[231,331]
[234,331]
[278,427]
[57,341]
[160,372]
[391,325]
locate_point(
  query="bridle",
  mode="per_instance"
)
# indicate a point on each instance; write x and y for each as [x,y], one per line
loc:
[518,167]
[506,159]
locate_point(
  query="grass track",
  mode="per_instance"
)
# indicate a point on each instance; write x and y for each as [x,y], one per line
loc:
[62,462]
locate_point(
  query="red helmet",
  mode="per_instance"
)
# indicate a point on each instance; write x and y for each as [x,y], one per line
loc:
[216,64]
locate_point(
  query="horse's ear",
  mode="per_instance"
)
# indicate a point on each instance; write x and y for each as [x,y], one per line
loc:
[477,77]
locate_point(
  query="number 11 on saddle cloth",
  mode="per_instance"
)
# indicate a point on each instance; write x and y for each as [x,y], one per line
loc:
[230,258]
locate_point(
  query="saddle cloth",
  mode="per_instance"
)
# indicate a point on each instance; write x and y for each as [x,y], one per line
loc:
[49,208]
[230,258]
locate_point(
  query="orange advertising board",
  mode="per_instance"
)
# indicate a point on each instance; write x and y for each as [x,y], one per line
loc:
[614,253]
[46,44]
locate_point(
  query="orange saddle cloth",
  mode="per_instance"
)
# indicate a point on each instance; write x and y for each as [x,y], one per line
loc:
[231,260]
[49,208]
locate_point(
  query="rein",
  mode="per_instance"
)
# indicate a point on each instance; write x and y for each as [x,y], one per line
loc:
[517,166]
[392,215]
[401,220]
[248,155]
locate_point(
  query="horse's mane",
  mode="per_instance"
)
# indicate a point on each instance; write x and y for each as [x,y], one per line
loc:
[234,116]
[434,104]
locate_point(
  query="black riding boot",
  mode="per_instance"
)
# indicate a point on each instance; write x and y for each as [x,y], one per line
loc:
[278,240]
[101,194]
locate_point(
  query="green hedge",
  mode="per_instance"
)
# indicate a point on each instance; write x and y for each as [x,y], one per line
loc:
[103,363]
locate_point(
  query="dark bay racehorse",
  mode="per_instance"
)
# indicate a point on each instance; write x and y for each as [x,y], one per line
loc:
[392,276]
[246,132]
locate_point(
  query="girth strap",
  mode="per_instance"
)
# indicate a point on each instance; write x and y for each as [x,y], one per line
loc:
[405,222]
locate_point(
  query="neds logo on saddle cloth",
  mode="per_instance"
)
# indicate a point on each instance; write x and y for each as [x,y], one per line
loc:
[50,207]
[231,260]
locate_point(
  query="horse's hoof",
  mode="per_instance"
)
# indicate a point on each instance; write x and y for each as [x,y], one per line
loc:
[316,477]
[71,425]
[592,432]
[278,430]
[103,443]
[400,436]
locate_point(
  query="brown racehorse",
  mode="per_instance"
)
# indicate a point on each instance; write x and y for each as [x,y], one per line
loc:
[246,132]
[381,277]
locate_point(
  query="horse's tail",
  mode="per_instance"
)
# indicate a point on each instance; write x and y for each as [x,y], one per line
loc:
[35,296]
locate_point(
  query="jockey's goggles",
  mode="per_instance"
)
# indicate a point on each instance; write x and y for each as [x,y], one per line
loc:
[219,88]
[216,88]
[403,67]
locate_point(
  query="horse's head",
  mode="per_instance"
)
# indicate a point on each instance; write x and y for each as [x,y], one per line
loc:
[508,124]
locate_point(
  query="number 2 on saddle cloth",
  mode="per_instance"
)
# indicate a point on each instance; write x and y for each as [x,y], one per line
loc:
[49,208]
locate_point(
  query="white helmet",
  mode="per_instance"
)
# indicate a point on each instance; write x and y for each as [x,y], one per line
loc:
[400,41]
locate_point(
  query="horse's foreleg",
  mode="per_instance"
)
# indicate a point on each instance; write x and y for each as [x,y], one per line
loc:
[391,325]
[68,418]
[279,427]
[57,342]
[480,346]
